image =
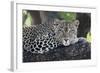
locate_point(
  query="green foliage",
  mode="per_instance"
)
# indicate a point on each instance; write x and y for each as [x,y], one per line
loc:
[68,16]
[27,19]
[88,37]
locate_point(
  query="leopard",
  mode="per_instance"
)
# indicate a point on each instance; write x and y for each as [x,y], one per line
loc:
[45,37]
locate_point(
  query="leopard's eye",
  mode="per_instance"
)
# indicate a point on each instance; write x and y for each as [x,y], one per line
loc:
[72,30]
[59,30]
[55,24]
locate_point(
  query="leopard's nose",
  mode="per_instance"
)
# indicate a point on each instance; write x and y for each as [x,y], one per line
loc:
[66,40]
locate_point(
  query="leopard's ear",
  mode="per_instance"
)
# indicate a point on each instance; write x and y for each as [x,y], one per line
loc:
[56,20]
[76,23]
[63,22]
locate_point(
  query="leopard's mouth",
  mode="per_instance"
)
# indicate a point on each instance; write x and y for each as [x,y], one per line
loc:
[66,42]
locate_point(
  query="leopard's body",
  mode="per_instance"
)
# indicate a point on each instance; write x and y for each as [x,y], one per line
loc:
[44,37]
[39,39]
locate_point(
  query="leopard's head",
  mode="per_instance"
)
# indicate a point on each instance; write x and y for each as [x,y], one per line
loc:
[66,33]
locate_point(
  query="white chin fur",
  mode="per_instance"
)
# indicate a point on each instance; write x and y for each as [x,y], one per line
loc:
[66,43]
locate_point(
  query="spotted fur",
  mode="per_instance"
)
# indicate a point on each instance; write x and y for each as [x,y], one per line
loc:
[39,39]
